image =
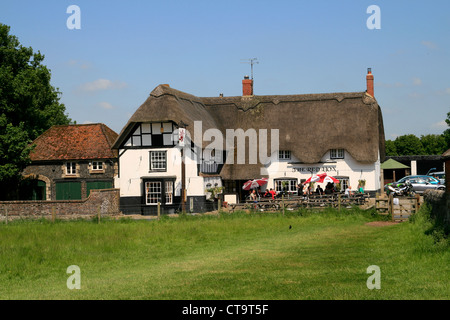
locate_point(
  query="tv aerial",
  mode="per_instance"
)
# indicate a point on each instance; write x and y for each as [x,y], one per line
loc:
[251,61]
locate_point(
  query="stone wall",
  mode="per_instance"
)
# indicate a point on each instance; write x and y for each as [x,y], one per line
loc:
[104,201]
[54,171]
[440,204]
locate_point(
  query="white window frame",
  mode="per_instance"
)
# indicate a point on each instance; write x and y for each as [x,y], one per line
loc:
[71,168]
[169,192]
[156,160]
[337,153]
[284,154]
[291,187]
[97,165]
[153,191]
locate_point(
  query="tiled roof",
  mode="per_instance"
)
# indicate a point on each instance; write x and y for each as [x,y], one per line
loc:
[75,142]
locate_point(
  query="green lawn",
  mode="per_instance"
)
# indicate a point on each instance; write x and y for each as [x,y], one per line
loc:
[301,255]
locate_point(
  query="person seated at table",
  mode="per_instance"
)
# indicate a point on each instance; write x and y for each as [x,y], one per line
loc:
[273,193]
[329,188]
[348,191]
[319,190]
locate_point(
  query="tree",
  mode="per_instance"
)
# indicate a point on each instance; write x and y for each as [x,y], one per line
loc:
[390,148]
[408,145]
[433,144]
[29,105]
[446,133]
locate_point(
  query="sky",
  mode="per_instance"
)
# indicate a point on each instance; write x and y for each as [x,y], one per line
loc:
[122,50]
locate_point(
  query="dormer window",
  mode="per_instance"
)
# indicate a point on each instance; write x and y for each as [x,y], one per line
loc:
[284,155]
[337,154]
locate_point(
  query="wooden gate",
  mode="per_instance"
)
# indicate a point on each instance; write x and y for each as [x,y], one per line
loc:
[400,208]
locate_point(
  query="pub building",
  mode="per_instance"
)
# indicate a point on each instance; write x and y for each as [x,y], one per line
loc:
[227,141]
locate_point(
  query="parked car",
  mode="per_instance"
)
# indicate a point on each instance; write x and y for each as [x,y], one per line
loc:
[419,183]
[439,175]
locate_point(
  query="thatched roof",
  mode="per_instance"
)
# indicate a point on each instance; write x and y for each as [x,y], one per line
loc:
[309,124]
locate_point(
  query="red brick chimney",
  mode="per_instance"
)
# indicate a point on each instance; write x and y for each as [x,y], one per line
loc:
[369,79]
[247,86]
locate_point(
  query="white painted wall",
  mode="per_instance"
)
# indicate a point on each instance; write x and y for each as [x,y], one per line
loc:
[135,165]
[344,167]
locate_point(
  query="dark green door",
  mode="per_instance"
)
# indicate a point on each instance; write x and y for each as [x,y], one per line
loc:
[95,185]
[68,190]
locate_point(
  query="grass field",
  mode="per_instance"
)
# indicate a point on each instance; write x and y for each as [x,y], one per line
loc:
[301,255]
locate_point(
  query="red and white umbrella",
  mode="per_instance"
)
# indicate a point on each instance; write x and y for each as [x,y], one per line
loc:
[253,184]
[330,179]
[316,178]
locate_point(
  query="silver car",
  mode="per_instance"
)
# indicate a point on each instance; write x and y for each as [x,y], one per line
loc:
[422,183]
[439,175]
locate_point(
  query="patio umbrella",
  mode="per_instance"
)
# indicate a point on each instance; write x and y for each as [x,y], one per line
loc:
[253,184]
[329,179]
[316,177]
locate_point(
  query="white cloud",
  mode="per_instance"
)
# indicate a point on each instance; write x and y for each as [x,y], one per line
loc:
[87,122]
[102,84]
[79,64]
[417,81]
[106,105]
[441,125]
[429,44]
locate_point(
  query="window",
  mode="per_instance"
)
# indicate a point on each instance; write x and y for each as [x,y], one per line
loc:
[337,154]
[158,161]
[97,165]
[344,182]
[71,168]
[288,185]
[284,155]
[153,192]
[169,192]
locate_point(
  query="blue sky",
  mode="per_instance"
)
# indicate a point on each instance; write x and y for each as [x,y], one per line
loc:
[124,49]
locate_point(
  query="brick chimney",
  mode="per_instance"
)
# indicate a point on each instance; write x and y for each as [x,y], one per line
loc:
[369,79]
[247,86]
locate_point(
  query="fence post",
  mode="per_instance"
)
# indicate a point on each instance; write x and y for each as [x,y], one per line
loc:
[282,202]
[391,206]
[339,201]
[99,213]
[159,210]
[6,208]
[53,214]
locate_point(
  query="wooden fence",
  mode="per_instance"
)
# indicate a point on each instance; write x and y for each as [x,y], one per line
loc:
[337,200]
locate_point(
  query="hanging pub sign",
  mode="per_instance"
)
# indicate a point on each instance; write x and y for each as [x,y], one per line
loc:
[181,136]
